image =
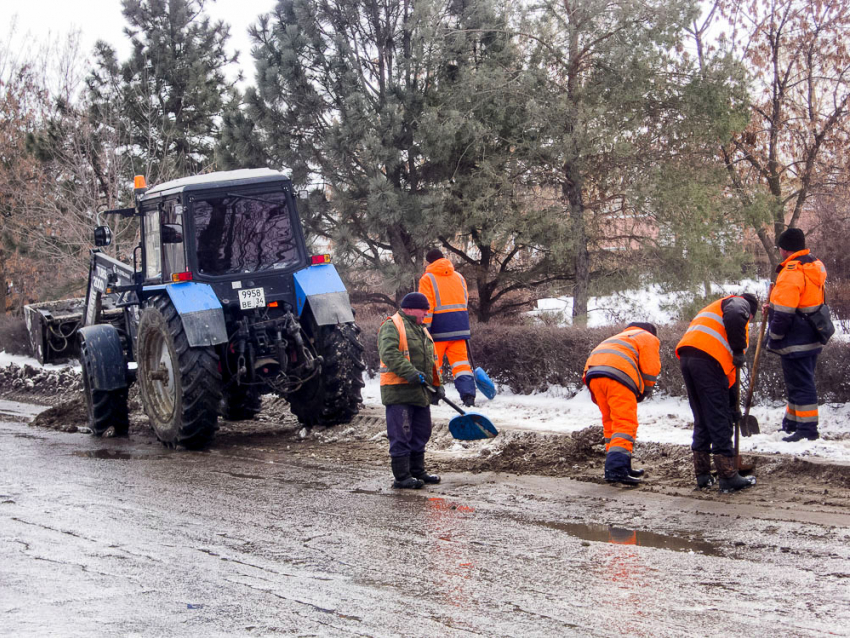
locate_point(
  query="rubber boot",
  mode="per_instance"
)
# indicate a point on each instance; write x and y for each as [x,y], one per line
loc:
[468,400]
[617,469]
[801,436]
[702,469]
[730,480]
[635,473]
[417,469]
[401,472]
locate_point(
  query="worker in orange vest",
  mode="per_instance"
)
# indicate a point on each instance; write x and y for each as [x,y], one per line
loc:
[799,290]
[408,367]
[448,320]
[710,353]
[621,372]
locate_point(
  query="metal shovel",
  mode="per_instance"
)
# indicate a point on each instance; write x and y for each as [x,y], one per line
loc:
[740,464]
[749,424]
[469,426]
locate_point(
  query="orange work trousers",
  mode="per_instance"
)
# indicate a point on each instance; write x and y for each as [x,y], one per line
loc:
[459,361]
[618,405]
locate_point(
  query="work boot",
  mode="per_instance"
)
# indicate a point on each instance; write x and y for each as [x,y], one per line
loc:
[417,469]
[468,400]
[401,472]
[730,480]
[801,436]
[635,473]
[617,469]
[702,469]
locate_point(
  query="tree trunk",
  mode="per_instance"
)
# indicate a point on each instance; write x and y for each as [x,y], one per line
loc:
[3,283]
[581,260]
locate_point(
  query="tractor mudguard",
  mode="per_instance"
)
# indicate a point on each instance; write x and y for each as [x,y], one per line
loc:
[199,310]
[101,346]
[321,288]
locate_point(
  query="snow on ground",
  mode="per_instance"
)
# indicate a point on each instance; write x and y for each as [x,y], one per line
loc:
[650,304]
[19,360]
[647,304]
[661,419]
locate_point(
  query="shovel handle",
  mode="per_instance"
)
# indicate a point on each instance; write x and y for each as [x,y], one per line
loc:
[737,421]
[754,372]
[433,389]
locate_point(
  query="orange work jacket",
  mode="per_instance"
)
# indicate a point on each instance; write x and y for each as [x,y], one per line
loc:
[631,357]
[799,290]
[707,332]
[448,296]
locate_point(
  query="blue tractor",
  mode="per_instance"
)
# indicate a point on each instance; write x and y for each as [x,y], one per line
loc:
[221,305]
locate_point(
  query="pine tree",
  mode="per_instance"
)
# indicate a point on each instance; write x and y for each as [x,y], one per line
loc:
[616,93]
[173,86]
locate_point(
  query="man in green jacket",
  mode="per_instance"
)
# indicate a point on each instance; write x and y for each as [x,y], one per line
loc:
[408,367]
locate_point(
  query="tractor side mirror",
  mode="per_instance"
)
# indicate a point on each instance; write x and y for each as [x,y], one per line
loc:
[172,234]
[102,236]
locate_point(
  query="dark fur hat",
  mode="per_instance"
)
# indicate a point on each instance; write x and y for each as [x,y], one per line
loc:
[433,255]
[792,239]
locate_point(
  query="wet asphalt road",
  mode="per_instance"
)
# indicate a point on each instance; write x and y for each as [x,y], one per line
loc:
[122,538]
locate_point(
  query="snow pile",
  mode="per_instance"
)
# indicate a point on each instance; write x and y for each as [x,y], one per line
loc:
[661,419]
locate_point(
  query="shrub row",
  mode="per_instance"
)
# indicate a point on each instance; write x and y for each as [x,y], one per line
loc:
[530,358]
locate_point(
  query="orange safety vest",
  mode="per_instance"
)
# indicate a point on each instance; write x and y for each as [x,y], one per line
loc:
[391,378]
[631,357]
[707,332]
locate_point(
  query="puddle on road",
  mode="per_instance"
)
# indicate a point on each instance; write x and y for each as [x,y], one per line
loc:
[622,536]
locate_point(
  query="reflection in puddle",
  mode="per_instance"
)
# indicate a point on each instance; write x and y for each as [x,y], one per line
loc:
[622,536]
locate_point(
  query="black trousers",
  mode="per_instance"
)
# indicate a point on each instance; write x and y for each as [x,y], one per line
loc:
[801,413]
[709,396]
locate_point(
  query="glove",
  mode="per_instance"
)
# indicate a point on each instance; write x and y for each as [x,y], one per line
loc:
[645,394]
[439,393]
[739,360]
[737,415]
[416,379]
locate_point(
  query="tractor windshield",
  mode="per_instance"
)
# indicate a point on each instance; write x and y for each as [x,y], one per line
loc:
[244,233]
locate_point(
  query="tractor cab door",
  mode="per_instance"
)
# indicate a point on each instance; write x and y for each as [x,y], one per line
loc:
[165,252]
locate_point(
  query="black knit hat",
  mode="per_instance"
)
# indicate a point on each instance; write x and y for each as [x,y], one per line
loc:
[753,301]
[433,255]
[650,328]
[792,239]
[415,300]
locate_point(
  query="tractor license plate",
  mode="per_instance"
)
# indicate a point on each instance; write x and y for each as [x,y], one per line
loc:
[252,298]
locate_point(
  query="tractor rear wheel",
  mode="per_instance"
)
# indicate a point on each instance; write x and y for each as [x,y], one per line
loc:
[180,385]
[334,395]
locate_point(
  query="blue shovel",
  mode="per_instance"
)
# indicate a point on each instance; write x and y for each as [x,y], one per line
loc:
[469,426]
[482,381]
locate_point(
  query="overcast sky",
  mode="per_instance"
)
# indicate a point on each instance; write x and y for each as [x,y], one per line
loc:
[38,20]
